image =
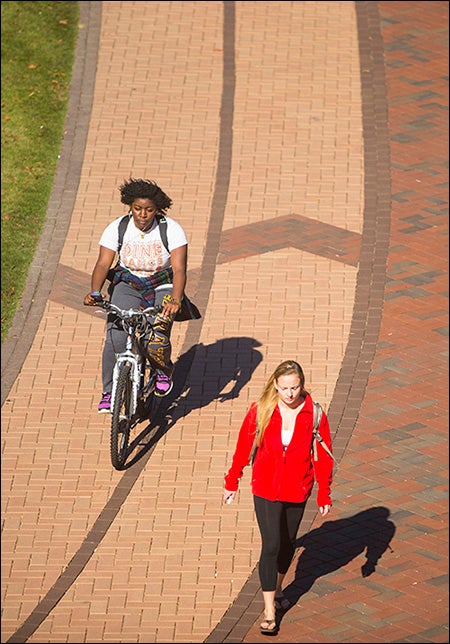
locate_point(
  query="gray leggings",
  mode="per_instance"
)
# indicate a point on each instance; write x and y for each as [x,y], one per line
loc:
[126,296]
[278,523]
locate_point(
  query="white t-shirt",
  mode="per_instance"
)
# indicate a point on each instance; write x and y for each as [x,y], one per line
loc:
[286,436]
[143,254]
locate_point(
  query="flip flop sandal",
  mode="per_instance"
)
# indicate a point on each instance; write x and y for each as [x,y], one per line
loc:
[271,629]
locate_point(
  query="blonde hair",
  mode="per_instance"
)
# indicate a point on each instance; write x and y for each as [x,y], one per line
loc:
[269,397]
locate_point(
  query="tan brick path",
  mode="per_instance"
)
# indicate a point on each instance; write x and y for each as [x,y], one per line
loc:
[296,198]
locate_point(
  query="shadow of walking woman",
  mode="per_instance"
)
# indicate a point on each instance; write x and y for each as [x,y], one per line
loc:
[335,543]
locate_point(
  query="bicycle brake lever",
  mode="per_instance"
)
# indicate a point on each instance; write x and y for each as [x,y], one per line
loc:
[103,305]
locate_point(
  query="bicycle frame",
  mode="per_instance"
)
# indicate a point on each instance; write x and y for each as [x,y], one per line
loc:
[129,389]
[132,354]
[132,396]
[134,359]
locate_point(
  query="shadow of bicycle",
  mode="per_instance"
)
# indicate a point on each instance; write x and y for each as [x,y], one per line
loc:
[204,373]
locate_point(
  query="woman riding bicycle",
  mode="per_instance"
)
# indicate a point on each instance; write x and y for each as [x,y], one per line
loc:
[143,264]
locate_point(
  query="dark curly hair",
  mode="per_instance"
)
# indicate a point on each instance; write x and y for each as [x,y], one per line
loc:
[144,189]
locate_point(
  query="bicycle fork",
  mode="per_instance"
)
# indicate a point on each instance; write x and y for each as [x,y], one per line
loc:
[127,357]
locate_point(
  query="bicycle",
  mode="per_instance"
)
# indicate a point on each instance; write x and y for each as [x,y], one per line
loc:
[134,376]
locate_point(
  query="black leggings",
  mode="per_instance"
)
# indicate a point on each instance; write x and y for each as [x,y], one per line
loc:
[278,523]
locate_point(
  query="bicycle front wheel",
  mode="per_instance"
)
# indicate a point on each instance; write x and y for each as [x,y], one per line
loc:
[121,417]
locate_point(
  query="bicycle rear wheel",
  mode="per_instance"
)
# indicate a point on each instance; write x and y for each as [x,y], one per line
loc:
[146,396]
[121,417]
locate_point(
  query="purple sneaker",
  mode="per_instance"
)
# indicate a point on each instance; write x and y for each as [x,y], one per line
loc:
[104,406]
[163,384]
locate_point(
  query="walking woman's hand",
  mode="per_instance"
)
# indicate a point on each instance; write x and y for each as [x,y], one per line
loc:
[324,509]
[228,496]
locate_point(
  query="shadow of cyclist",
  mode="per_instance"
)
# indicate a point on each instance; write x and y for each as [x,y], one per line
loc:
[204,373]
[335,543]
[216,371]
[212,367]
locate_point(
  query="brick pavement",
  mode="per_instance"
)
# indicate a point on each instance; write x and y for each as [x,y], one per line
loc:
[318,194]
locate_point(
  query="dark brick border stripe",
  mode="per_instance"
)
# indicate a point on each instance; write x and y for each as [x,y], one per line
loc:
[369,296]
[60,207]
[356,366]
[292,230]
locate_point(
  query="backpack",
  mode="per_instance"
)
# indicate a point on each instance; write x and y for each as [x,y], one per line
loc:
[317,438]
[162,223]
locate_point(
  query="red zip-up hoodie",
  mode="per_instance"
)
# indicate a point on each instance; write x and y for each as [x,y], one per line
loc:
[279,473]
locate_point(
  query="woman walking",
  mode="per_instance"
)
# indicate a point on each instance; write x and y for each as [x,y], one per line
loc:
[284,470]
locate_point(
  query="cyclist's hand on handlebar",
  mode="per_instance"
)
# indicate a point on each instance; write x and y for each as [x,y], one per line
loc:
[169,310]
[93,298]
[169,306]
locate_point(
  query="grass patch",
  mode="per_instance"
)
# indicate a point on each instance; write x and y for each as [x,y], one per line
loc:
[38,46]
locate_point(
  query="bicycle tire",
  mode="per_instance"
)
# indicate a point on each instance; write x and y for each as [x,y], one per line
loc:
[148,407]
[146,399]
[121,418]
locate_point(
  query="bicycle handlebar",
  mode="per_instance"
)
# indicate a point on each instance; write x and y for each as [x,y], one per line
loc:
[127,314]
[140,320]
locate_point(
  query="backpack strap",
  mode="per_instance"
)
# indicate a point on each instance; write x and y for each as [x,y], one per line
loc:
[317,438]
[162,223]
[122,228]
[317,416]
